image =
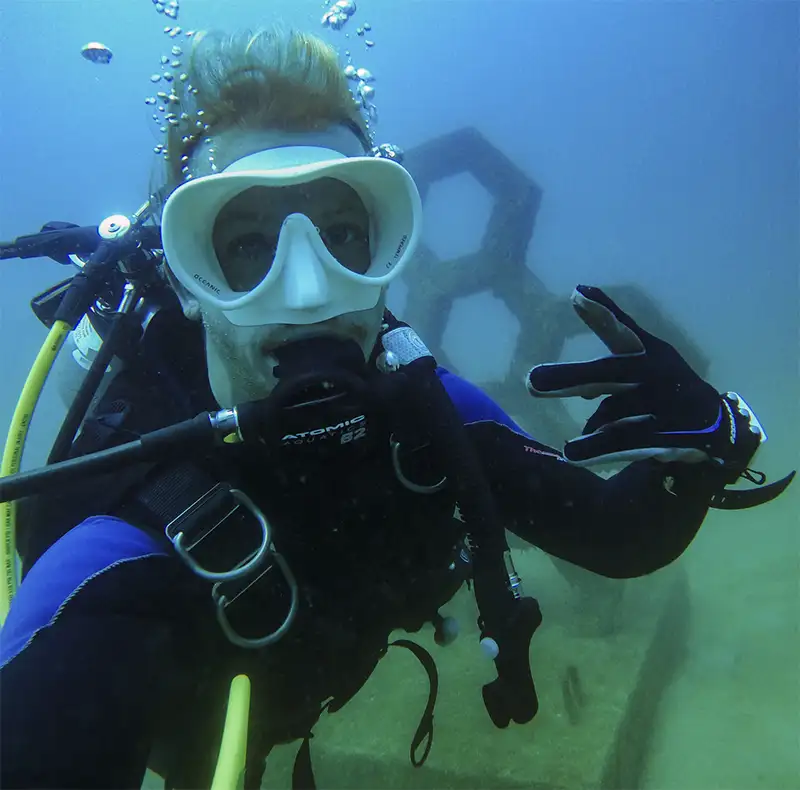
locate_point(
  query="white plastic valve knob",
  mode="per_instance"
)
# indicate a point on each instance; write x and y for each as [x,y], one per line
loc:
[490,648]
[447,631]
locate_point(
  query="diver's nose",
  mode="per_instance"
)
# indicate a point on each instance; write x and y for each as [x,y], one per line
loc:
[305,284]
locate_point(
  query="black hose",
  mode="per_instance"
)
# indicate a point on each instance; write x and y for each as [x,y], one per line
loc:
[175,441]
[509,621]
[458,457]
[88,389]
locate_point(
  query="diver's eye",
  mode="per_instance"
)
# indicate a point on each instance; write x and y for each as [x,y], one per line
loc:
[251,247]
[246,258]
[341,233]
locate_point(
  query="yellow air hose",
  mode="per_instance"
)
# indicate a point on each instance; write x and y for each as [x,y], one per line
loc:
[12,454]
[229,773]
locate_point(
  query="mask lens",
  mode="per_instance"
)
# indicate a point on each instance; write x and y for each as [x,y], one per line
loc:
[246,230]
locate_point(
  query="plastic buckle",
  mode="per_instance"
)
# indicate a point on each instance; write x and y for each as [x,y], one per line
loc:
[197,530]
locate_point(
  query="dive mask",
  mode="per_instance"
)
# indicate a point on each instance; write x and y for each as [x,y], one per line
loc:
[292,235]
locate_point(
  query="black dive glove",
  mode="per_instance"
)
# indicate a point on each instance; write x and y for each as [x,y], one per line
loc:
[658,407]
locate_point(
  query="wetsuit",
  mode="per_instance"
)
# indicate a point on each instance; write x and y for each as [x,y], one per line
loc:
[111,643]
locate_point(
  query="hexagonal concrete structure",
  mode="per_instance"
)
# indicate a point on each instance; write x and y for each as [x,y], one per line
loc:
[480,337]
[469,223]
[546,320]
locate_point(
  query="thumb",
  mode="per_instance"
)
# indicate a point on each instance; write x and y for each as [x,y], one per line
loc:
[616,329]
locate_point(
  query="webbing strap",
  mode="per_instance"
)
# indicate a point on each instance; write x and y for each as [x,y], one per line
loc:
[303,771]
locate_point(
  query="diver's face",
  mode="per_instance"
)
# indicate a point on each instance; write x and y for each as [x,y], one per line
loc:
[240,358]
[245,235]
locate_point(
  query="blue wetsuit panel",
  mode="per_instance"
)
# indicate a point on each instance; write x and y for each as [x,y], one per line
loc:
[92,547]
[473,404]
[94,628]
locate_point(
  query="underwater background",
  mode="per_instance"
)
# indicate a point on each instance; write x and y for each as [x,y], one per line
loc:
[664,139]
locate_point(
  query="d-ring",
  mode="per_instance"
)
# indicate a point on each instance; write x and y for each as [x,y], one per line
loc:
[410,485]
[242,569]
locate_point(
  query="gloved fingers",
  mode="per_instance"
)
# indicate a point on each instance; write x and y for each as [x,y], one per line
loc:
[630,439]
[603,376]
[618,407]
[589,379]
[618,331]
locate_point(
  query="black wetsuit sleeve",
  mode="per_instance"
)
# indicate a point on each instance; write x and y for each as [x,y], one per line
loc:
[80,700]
[631,524]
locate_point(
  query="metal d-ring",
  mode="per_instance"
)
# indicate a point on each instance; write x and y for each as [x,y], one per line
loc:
[410,485]
[240,570]
[242,641]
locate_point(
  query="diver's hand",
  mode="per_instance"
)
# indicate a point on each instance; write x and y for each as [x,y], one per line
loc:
[658,407]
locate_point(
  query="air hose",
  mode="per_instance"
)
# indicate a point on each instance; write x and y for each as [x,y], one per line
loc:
[506,620]
[12,454]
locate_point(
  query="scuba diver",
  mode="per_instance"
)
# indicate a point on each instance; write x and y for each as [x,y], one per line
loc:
[271,474]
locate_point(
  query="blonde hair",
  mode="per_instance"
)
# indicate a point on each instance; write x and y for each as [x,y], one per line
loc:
[268,79]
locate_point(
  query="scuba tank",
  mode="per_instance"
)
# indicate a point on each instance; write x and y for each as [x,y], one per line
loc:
[75,361]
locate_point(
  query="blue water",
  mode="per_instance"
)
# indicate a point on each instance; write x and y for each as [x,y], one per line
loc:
[665,138]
